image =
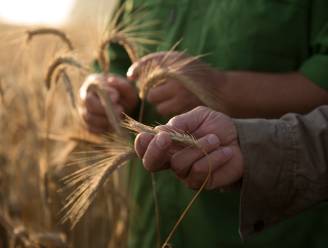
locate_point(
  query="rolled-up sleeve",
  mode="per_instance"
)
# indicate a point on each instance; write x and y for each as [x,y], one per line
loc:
[315,68]
[286,167]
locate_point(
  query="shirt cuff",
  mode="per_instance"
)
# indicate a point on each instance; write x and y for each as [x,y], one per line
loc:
[315,69]
[269,152]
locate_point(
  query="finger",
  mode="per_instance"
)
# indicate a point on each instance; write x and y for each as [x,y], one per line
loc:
[141,143]
[230,172]
[183,160]
[92,78]
[134,70]
[96,124]
[113,93]
[128,93]
[161,93]
[156,157]
[118,110]
[97,130]
[93,105]
[120,84]
[191,120]
[98,79]
[200,169]
[96,120]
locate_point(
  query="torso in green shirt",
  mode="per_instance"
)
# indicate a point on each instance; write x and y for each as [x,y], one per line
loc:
[256,35]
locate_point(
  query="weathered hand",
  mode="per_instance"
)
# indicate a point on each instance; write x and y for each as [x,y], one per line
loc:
[217,135]
[171,97]
[121,92]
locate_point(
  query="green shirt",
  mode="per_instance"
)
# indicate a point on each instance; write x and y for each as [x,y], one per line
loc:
[255,35]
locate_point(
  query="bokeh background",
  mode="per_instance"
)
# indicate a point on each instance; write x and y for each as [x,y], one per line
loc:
[30,189]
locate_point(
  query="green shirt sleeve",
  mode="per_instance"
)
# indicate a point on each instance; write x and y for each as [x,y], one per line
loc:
[316,67]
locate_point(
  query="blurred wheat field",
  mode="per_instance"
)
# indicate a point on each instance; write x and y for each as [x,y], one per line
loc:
[30,166]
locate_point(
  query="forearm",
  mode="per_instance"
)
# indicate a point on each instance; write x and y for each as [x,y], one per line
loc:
[286,167]
[252,94]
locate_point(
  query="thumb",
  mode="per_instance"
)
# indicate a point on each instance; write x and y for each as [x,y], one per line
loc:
[133,71]
[190,121]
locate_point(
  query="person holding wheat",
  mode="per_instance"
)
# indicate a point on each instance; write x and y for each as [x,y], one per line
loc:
[269,159]
[250,76]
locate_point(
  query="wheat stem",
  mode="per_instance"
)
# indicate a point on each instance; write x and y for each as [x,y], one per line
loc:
[108,105]
[120,39]
[68,85]
[67,60]
[50,31]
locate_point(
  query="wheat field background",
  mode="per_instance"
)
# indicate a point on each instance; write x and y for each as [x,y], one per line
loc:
[30,165]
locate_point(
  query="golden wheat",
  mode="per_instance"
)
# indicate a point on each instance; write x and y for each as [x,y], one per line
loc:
[50,31]
[62,73]
[184,69]
[61,60]
[131,31]
[87,181]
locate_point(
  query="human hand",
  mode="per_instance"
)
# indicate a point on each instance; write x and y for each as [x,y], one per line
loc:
[171,97]
[218,139]
[122,94]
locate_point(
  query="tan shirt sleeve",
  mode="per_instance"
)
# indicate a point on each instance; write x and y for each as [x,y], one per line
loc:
[286,167]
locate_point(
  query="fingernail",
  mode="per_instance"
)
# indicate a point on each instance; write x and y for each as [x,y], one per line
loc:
[212,139]
[227,151]
[161,142]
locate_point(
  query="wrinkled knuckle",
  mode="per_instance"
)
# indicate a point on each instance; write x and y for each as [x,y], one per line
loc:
[178,169]
[218,156]
[201,108]
[198,169]
[174,160]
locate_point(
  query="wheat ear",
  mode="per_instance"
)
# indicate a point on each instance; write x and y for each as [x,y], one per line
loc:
[50,31]
[121,40]
[61,60]
[87,181]
[182,69]
[108,105]
[132,30]
[180,137]
[62,73]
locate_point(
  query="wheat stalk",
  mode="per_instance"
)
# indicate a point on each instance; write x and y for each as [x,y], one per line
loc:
[180,137]
[130,30]
[108,106]
[102,162]
[181,68]
[62,73]
[88,180]
[61,60]
[2,93]
[50,31]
